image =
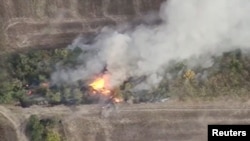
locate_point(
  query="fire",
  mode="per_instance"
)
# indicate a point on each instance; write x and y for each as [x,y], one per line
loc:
[100,85]
[117,100]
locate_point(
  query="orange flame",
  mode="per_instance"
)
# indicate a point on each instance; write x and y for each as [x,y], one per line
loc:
[117,100]
[100,85]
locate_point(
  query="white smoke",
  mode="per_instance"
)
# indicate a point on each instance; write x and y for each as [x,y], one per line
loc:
[194,29]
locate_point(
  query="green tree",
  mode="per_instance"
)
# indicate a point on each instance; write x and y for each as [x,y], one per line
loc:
[52,136]
[53,97]
[77,96]
[35,128]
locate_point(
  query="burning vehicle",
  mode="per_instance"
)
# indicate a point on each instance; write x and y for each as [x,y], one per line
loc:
[101,89]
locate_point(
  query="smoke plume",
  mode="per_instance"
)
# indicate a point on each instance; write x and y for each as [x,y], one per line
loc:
[190,29]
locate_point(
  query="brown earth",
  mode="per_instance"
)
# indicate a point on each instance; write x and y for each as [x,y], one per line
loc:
[169,121]
[7,131]
[46,23]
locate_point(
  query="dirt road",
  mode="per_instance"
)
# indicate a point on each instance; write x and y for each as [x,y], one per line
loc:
[142,122]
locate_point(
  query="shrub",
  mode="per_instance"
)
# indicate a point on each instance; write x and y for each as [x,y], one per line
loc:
[35,128]
[42,130]
[52,136]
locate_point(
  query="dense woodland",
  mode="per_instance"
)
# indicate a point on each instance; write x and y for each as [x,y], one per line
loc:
[25,79]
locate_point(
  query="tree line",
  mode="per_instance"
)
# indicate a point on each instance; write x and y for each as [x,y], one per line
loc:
[25,79]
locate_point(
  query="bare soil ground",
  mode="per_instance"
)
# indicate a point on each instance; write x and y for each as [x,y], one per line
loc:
[46,24]
[7,131]
[169,121]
